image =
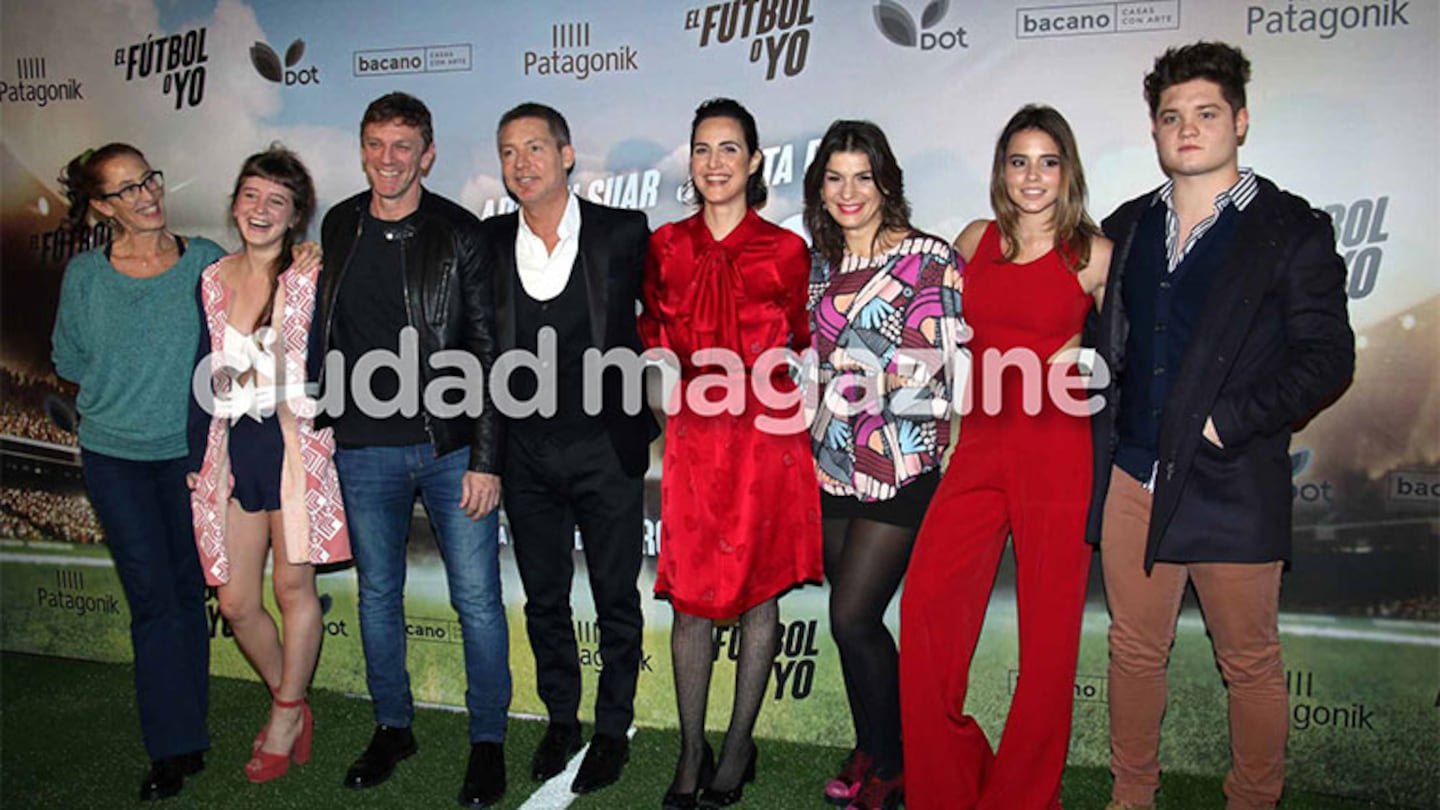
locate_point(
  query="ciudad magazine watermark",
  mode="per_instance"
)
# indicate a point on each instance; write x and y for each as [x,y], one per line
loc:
[789,387]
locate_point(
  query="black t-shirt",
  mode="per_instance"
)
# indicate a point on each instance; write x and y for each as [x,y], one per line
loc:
[369,316]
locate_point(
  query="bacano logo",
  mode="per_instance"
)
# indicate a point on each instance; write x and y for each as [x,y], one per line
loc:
[267,64]
[898,26]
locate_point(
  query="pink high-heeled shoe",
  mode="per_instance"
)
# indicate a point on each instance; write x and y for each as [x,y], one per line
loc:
[843,788]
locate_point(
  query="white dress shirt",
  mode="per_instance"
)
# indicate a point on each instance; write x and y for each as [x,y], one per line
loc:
[543,274]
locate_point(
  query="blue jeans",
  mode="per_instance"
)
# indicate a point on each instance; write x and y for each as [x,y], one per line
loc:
[379,485]
[144,507]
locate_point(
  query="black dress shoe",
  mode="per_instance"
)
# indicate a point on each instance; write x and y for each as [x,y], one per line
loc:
[167,776]
[602,763]
[711,797]
[485,776]
[387,747]
[556,747]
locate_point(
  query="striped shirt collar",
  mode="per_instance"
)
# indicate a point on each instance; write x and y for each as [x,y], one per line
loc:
[1239,195]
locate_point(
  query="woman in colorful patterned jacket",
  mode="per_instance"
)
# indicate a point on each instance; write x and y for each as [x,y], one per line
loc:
[263,475]
[885,307]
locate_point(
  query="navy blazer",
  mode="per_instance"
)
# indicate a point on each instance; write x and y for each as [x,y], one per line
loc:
[611,261]
[1273,346]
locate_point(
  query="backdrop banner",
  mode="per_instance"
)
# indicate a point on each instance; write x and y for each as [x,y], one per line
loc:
[1343,108]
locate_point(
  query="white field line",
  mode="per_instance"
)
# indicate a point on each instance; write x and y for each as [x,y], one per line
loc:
[51,544]
[56,559]
[555,793]
[1426,635]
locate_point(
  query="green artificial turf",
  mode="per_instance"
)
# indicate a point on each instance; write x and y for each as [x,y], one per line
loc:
[69,739]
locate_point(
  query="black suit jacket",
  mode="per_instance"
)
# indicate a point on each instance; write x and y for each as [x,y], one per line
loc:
[611,260]
[1272,346]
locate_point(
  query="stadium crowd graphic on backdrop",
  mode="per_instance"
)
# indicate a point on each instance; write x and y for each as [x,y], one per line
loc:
[199,84]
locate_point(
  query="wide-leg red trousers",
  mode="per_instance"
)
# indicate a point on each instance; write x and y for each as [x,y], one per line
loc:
[1011,475]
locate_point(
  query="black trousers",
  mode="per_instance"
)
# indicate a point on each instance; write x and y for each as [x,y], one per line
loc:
[552,483]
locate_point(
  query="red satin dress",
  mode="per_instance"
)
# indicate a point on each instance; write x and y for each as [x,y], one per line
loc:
[739,506]
[1014,474]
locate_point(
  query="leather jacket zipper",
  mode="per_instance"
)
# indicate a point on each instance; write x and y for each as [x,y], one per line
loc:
[340,279]
[410,320]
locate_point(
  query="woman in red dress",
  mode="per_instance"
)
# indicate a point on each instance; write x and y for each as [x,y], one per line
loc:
[1031,277]
[725,291]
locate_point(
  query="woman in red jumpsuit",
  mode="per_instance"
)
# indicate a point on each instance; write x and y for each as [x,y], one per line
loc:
[739,506]
[1022,470]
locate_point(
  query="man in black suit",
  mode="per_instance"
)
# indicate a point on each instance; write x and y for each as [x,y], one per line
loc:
[1224,317]
[567,279]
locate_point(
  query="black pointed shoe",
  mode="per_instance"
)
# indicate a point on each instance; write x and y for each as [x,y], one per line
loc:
[388,746]
[485,775]
[710,797]
[560,742]
[603,763]
[675,800]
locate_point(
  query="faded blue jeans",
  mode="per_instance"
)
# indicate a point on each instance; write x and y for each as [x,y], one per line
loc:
[379,485]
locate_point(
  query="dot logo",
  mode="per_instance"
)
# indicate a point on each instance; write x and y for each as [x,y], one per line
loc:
[897,25]
[267,64]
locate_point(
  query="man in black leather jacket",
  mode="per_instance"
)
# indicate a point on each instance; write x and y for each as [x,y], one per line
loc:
[407,310]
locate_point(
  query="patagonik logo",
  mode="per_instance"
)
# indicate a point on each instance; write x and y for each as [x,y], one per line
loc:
[898,26]
[30,85]
[571,54]
[267,64]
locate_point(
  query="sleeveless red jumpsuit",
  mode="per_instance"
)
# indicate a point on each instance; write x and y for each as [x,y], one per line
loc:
[1017,474]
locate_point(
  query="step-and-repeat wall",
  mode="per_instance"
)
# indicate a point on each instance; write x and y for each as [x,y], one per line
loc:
[1343,111]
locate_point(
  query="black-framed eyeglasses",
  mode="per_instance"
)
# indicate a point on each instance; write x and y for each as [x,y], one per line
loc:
[151,181]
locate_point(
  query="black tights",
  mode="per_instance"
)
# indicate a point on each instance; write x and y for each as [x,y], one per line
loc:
[693,655]
[865,561]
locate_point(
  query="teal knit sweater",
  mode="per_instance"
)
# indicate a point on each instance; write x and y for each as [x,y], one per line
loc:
[130,345]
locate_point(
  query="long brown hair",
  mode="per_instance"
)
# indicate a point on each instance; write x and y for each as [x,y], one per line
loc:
[1073,227]
[82,181]
[869,140]
[279,165]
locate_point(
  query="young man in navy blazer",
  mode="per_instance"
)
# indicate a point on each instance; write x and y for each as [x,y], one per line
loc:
[1225,325]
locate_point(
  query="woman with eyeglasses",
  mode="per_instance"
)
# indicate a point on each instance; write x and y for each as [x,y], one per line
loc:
[126,333]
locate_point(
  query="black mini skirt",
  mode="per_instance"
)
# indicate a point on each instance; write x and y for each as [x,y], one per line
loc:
[906,509]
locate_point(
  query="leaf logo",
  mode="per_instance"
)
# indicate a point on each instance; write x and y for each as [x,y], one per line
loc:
[1299,460]
[267,62]
[896,24]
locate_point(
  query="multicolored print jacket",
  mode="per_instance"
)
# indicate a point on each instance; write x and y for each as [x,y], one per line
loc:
[311,509]
[887,334]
